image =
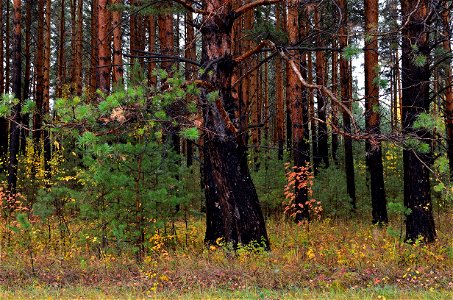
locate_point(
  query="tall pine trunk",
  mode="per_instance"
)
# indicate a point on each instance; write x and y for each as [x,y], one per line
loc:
[323,138]
[78,55]
[103,47]
[416,100]
[26,90]
[16,89]
[94,58]
[373,150]
[152,79]
[448,84]
[279,92]
[3,121]
[294,96]
[39,97]
[117,45]
[346,97]
[334,104]
[61,77]
[190,53]
[46,109]
[7,48]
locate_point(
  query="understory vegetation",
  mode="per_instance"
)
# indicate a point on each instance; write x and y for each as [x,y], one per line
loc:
[333,256]
[90,247]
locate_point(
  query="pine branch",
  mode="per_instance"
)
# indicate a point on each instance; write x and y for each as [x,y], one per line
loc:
[189,7]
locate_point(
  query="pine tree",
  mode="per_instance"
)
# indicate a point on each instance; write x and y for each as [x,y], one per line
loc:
[416,100]
[17,91]
[373,150]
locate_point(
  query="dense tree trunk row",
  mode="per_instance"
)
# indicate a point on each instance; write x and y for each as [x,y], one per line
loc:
[295,114]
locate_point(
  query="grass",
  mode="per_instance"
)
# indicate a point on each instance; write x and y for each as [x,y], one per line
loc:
[82,292]
[334,259]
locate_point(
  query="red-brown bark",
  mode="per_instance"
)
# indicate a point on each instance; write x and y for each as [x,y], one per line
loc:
[104,47]
[372,117]
[346,96]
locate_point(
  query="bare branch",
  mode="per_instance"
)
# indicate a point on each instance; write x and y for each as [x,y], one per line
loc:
[323,89]
[154,55]
[246,55]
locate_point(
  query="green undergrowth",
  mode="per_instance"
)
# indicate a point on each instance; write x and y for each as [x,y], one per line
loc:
[82,292]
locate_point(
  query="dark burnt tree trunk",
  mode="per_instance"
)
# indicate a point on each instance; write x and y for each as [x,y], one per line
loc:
[373,150]
[190,71]
[7,47]
[233,210]
[3,121]
[334,136]
[39,96]
[2,70]
[16,89]
[26,90]
[416,100]
[280,115]
[448,83]
[46,111]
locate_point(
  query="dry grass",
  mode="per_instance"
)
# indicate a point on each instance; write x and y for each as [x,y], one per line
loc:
[333,258]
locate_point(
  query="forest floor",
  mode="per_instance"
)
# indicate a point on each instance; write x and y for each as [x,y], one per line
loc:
[334,259]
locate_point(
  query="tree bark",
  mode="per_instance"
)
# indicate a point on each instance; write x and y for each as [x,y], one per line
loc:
[280,120]
[26,90]
[2,71]
[133,32]
[166,38]
[152,79]
[61,77]
[312,112]
[39,97]
[7,48]
[78,55]
[416,100]
[16,89]
[294,96]
[346,96]
[253,93]
[190,53]
[167,47]
[104,47]
[289,127]
[94,51]
[334,104]
[3,121]
[46,111]
[233,210]
[323,146]
[448,84]
[117,45]
[373,150]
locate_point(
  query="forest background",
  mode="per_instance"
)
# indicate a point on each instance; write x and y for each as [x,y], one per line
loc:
[260,148]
